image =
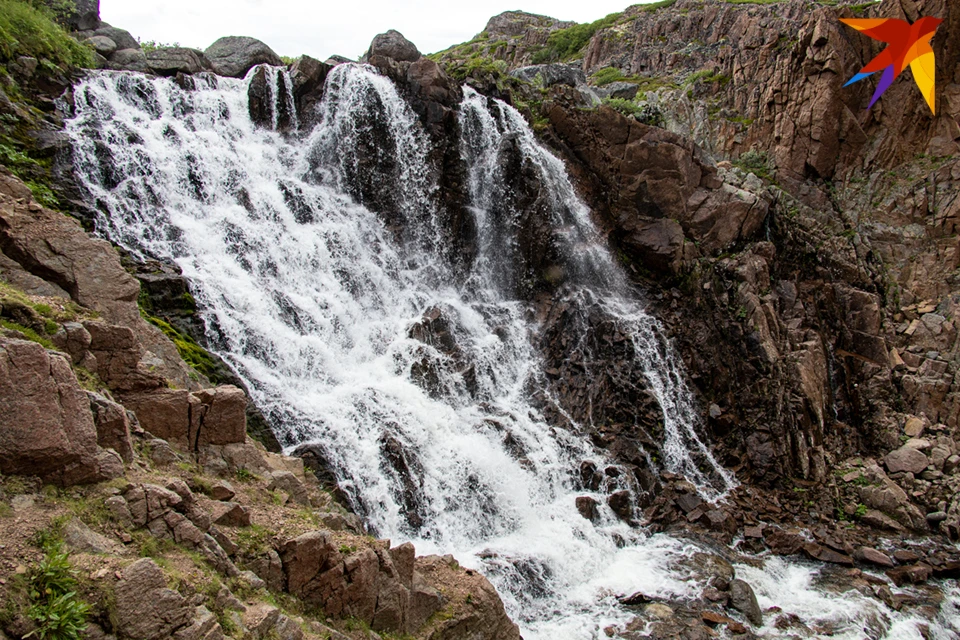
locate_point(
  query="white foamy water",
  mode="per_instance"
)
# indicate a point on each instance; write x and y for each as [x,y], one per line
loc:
[312,298]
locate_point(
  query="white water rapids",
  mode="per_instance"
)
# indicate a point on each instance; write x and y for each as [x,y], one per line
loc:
[311,298]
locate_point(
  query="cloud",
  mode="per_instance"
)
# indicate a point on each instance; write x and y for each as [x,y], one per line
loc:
[320,29]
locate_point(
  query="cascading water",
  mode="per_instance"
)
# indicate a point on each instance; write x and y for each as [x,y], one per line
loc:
[322,307]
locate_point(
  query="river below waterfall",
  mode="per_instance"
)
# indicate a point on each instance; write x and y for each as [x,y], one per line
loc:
[321,308]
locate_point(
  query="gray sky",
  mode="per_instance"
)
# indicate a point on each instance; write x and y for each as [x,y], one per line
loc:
[320,29]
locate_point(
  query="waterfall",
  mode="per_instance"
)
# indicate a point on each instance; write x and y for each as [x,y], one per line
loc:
[317,270]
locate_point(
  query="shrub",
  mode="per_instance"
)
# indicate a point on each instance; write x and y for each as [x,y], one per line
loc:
[54,605]
[26,30]
[755,162]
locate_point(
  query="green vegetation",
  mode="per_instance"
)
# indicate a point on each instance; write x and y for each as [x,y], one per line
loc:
[706,76]
[52,583]
[191,352]
[26,29]
[755,162]
[654,6]
[753,1]
[478,66]
[565,44]
[27,332]
[153,45]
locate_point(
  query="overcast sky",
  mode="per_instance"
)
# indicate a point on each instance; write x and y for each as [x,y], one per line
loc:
[320,29]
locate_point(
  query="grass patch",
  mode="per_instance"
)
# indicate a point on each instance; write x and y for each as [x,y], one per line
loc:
[28,333]
[706,76]
[565,44]
[654,6]
[27,30]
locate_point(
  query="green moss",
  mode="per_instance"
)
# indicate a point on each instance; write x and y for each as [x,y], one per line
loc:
[27,30]
[191,352]
[28,333]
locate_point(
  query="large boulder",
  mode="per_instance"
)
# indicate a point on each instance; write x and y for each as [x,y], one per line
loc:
[86,15]
[393,45]
[174,60]
[548,75]
[145,608]
[46,427]
[234,56]
[192,420]
[113,425]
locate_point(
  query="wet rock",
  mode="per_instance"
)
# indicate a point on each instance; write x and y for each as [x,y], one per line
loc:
[868,554]
[587,507]
[621,502]
[784,543]
[825,554]
[905,556]
[234,56]
[393,45]
[744,600]
[103,45]
[910,574]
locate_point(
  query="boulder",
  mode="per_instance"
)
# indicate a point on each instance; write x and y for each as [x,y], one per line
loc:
[128,60]
[313,570]
[86,15]
[234,56]
[173,60]
[113,425]
[230,514]
[165,413]
[548,75]
[393,45]
[744,600]
[46,426]
[222,416]
[906,459]
[289,483]
[145,608]
[103,45]
[587,507]
[910,574]
[868,554]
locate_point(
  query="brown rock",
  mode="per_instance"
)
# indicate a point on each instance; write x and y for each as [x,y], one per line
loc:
[145,608]
[222,490]
[904,556]
[906,459]
[824,554]
[230,514]
[784,543]
[587,507]
[46,427]
[222,418]
[113,425]
[711,617]
[165,413]
[866,554]
[910,574]
[314,571]
[744,600]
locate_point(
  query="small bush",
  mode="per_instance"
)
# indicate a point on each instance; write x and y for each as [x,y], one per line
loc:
[54,605]
[27,30]
[755,162]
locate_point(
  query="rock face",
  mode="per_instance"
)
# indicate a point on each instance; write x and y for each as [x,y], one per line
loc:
[662,195]
[174,60]
[234,56]
[49,246]
[393,45]
[193,420]
[46,428]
